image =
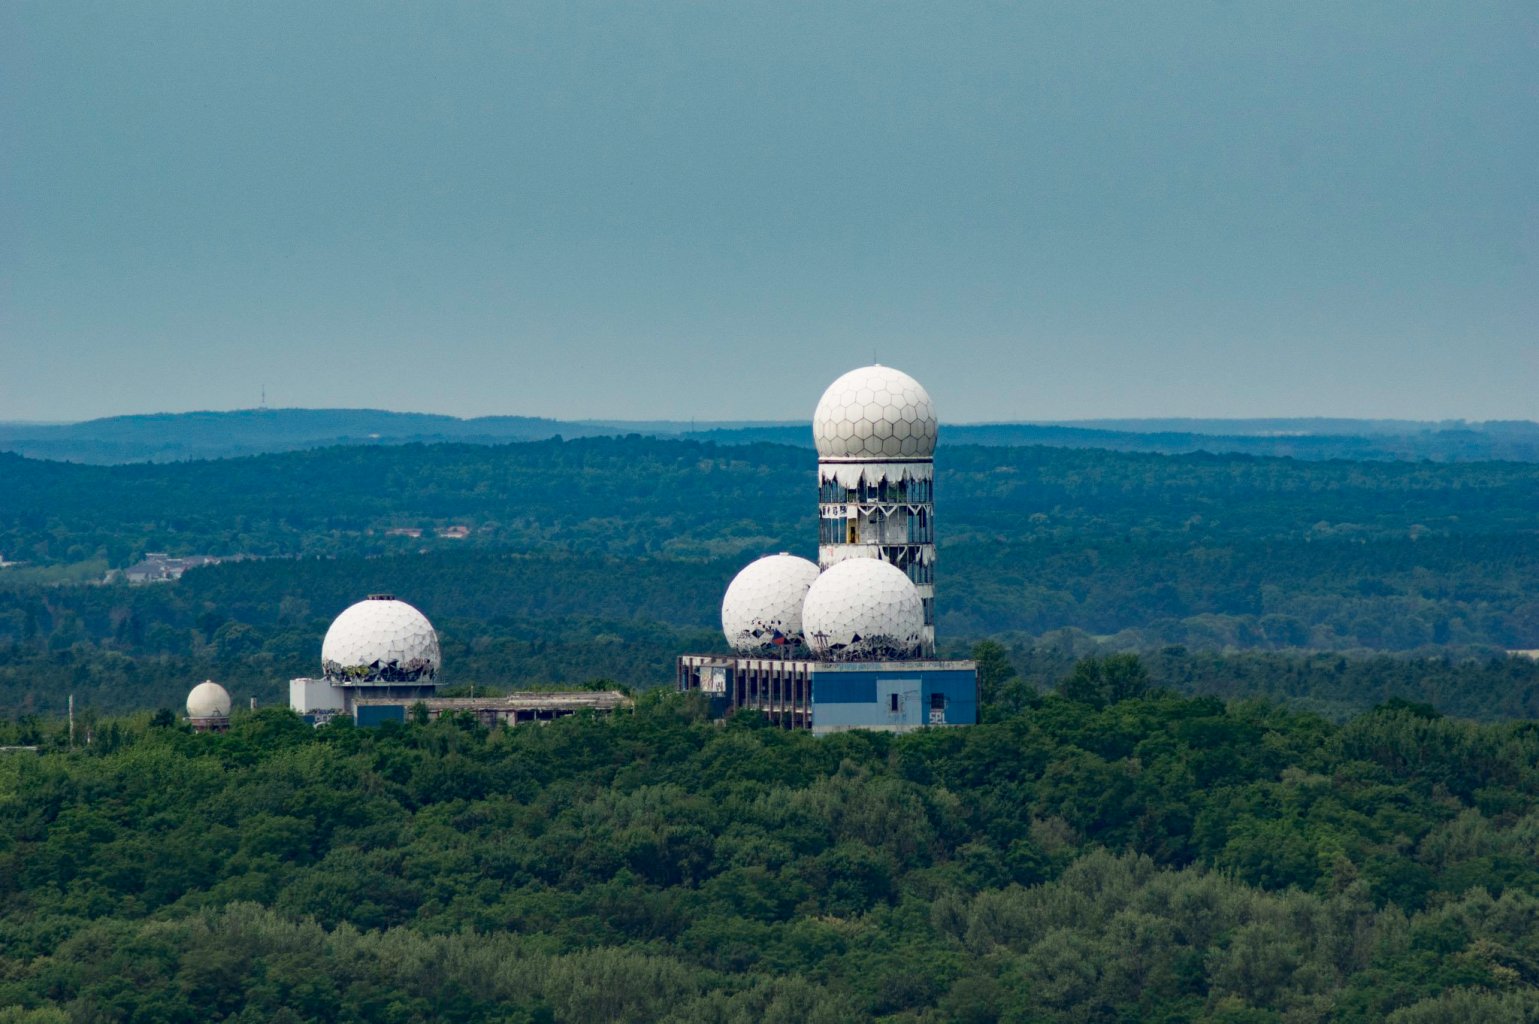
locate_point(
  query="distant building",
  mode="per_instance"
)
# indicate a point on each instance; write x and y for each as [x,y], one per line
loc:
[208,707]
[380,661]
[514,709]
[159,567]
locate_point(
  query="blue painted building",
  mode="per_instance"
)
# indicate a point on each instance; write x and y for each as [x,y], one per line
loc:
[826,696]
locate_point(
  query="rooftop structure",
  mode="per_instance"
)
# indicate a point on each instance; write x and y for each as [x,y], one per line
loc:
[514,709]
[762,610]
[863,609]
[208,707]
[380,640]
[380,648]
[380,661]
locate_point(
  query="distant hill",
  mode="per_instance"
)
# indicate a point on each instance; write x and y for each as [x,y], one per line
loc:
[604,557]
[1313,426]
[1376,440]
[172,437]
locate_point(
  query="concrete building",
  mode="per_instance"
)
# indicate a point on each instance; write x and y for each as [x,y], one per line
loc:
[825,697]
[514,709]
[159,567]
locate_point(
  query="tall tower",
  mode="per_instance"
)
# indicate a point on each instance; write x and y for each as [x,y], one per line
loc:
[875,433]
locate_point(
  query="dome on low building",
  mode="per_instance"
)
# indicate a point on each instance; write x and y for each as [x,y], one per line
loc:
[863,609]
[762,610]
[208,700]
[381,640]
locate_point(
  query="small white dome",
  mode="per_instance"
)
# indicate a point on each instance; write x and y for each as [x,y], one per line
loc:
[863,609]
[874,412]
[762,610]
[208,700]
[380,640]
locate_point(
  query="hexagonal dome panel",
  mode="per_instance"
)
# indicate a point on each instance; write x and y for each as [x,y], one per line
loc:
[869,396]
[762,610]
[380,640]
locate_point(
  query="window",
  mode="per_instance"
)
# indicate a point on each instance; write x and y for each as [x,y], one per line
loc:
[892,703]
[937,702]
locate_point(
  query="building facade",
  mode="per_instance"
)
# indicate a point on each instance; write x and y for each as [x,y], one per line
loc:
[826,697]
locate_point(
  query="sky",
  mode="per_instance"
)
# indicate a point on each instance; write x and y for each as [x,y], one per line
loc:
[673,210]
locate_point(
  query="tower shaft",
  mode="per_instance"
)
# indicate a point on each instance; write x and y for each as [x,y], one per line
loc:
[881,508]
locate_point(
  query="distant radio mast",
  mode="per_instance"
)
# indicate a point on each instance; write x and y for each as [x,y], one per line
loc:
[264,396]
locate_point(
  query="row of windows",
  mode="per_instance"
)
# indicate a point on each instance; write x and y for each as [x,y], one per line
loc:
[891,530]
[921,572]
[899,491]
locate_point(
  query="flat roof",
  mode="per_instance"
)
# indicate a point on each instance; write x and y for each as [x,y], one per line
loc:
[528,700]
[811,664]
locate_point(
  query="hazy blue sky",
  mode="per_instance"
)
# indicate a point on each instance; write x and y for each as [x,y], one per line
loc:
[672,210]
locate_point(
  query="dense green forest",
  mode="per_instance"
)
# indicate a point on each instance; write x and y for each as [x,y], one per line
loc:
[641,495]
[1262,817]
[1106,853]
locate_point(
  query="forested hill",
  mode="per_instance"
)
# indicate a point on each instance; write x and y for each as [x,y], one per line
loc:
[1330,439]
[608,556]
[1071,860]
[166,437]
[170,437]
[638,495]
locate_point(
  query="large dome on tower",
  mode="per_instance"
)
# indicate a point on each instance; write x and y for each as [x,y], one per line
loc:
[863,609]
[762,610]
[874,412]
[380,640]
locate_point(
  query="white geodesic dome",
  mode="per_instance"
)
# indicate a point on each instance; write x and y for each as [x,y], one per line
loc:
[863,609]
[874,412]
[208,700]
[762,610]
[380,640]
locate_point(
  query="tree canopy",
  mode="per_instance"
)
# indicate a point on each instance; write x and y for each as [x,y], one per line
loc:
[1135,856]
